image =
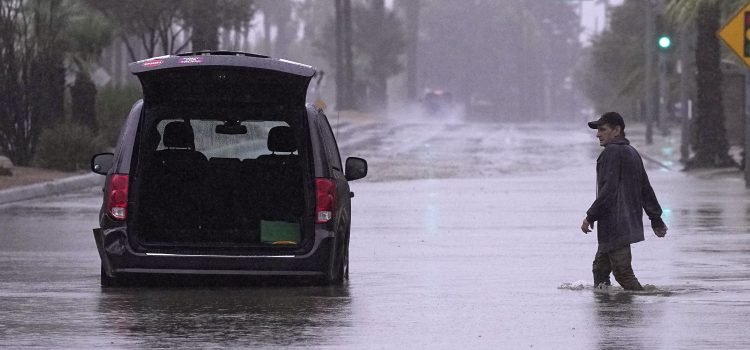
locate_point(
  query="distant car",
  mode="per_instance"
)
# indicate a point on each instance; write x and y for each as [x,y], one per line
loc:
[437,101]
[223,169]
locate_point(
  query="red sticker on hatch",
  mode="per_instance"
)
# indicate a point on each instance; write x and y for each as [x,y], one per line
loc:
[152,63]
[189,60]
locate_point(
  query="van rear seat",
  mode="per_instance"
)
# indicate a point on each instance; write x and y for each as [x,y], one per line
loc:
[283,186]
[281,191]
[174,194]
[222,183]
[249,200]
[188,198]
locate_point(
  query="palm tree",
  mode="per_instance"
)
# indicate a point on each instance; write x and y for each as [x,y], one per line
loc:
[709,140]
[88,34]
[411,9]
[344,55]
[277,13]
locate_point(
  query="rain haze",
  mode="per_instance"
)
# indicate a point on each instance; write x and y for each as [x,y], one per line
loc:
[480,167]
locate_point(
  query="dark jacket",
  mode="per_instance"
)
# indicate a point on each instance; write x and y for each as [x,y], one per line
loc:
[623,193]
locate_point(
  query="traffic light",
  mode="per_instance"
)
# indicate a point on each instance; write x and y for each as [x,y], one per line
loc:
[745,37]
[664,39]
[664,42]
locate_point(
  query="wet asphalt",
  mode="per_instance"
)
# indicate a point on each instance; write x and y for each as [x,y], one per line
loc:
[455,244]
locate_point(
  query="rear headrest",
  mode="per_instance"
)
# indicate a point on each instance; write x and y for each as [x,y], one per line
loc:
[281,139]
[179,135]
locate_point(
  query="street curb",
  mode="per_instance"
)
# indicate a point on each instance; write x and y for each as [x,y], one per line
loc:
[50,188]
[657,161]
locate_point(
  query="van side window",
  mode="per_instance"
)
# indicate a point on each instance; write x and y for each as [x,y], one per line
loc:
[329,142]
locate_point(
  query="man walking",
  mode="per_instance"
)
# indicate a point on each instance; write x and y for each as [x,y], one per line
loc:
[623,193]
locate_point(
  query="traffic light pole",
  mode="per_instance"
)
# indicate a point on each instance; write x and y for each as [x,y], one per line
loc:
[685,103]
[662,81]
[664,42]
[649,85]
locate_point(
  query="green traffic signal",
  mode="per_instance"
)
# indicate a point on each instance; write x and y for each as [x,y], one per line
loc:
[664,42]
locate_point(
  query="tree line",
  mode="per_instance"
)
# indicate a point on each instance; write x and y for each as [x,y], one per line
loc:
[513,57]
[612,73]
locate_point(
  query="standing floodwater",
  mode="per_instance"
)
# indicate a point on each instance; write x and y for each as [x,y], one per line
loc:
[467,236]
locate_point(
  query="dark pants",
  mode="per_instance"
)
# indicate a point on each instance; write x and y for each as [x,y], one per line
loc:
[616,262]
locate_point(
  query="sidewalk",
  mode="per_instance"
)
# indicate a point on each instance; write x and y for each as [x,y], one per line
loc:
[20,182]
[665,152]
[43,183]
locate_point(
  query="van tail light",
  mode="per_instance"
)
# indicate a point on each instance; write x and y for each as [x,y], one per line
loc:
[326,200]
[117,203]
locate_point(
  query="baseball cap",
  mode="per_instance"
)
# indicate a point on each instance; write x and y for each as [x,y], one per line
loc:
[611,118]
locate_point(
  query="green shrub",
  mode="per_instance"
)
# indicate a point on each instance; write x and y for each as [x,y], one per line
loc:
[112,107]
[66,147]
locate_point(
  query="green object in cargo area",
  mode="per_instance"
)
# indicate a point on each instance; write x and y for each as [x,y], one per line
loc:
[279,232]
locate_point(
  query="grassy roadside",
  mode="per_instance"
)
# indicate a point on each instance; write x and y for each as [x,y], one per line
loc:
[26,176]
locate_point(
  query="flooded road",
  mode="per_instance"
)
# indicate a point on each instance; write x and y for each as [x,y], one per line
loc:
[465,236]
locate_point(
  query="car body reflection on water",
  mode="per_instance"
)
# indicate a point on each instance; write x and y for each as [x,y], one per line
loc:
[226,317]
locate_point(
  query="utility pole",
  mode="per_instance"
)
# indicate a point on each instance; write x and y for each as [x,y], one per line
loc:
[649,81]
[685,103]
[606,14]
[661,82]
[340,86]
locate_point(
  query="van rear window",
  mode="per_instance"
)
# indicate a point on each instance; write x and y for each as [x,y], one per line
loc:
[230,141]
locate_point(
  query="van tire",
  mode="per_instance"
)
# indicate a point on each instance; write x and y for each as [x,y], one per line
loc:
[342,268]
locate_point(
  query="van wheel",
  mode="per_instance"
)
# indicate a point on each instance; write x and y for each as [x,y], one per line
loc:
[107,281]
[342,270]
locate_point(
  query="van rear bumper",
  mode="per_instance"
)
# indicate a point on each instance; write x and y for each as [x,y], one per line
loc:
[119,258]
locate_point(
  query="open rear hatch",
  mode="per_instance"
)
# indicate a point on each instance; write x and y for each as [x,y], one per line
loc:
[223,154]
[223,78]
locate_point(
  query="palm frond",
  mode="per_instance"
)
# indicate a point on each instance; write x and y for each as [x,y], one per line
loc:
[682,13]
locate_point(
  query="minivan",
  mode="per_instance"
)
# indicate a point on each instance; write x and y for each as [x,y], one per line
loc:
[223,169]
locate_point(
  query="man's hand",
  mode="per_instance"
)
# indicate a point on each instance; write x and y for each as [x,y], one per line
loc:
[660,231]
[586,226]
